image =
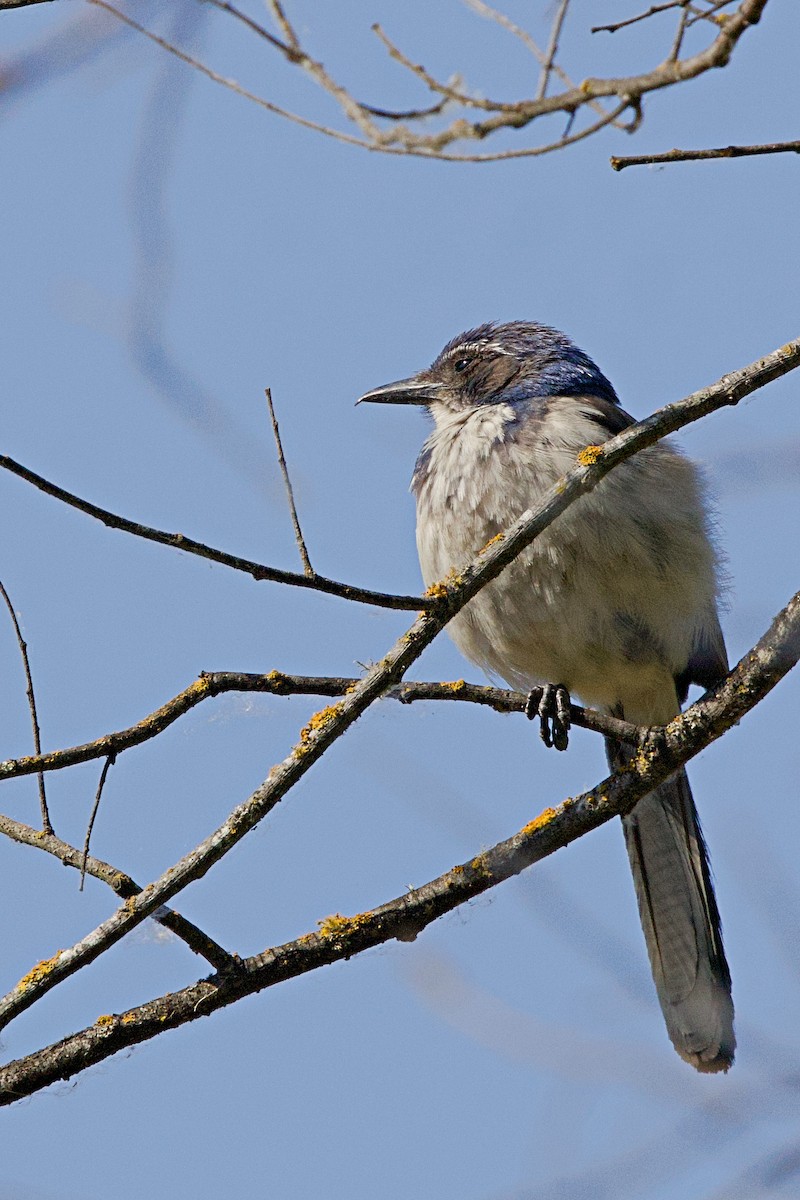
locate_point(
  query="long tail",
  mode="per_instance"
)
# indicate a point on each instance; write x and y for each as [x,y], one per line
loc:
[681,923]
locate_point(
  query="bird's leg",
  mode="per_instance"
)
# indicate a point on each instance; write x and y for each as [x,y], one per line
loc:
[550,704]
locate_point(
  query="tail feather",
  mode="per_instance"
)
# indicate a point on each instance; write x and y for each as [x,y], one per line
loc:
[681,922]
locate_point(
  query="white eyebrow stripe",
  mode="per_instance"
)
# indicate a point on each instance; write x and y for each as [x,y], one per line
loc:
[467,347]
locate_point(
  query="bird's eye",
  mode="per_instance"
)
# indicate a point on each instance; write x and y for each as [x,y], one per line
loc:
[461,364]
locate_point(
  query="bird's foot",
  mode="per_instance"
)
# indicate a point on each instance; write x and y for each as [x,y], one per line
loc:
[550,704]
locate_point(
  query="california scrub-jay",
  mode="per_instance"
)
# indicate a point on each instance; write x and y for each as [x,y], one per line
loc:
[615,601]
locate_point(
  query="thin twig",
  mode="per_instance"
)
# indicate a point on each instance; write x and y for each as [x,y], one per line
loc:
[339,937]
[298,533]
[37,741]
[619,163]
[327,726]
[679,35]
[448,90]
[107,765]
[708,14]
[177,541]
[552,49]
[408,114]
[652,10]
[224,6]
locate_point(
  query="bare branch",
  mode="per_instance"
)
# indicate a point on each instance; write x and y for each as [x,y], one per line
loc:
[327,726]
[298,533]
[276,683]
[403,918]
[401,139]
[37,741]
[670,156]
[123,885]
[177,541]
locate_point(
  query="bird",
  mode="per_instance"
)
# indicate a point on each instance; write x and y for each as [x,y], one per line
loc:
[615,602]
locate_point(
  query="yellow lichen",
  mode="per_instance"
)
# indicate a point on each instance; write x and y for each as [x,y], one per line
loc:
[457,686]
[106,1019]
[39,972]
[336,925]
[478,865]
[436,591]
[498,537]
[201,685]
[276,677]
[333,925]
[590,455]
[128,1018]
[544,818]
[317,723]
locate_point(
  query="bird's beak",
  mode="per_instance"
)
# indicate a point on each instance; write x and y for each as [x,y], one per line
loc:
[404,391]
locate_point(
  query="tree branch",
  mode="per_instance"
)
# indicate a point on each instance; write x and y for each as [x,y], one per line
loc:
[177,541]
[276,683]
[331,723]
[619,163]
[401,139]
[339,938]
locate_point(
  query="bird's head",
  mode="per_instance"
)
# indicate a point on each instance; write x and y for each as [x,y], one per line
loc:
[499,364]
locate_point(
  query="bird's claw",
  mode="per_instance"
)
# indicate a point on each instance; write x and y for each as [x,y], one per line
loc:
[551,705]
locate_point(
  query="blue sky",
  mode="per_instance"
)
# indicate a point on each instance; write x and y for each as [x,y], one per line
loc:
[168,251]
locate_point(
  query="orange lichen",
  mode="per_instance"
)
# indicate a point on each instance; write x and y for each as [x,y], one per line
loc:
[590,455]
[544,818]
